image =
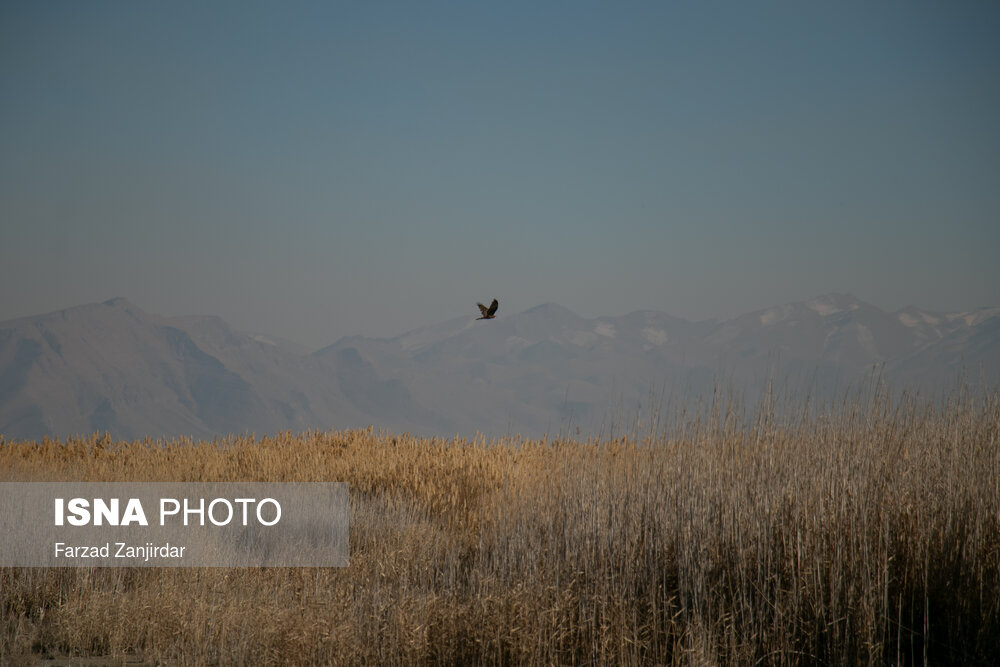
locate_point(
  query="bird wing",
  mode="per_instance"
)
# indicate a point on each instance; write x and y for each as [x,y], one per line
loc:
[493,308]
[483,309]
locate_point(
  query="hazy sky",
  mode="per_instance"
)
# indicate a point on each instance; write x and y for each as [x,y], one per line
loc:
[314,170]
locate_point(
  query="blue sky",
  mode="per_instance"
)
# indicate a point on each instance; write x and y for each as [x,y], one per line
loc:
[314,170]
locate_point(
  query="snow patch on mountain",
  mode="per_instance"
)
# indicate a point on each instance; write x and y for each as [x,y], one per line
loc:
[583,338]
[911,317]
[606,329]
[775,315]
[867,340]
[974,317]
[828,305]
[655,336]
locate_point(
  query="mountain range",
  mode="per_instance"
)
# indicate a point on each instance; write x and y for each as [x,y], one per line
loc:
[113,367]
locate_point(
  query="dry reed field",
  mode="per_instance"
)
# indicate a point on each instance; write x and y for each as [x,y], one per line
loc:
[865,532]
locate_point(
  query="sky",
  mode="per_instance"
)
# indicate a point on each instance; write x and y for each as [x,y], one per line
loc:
[317,170]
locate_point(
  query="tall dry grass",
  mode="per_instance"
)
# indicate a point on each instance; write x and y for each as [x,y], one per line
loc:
[866,532]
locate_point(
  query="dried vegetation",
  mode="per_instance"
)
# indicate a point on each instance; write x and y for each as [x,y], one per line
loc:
[865,532]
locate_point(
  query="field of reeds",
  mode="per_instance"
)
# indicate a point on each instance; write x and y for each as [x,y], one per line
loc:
[865,532]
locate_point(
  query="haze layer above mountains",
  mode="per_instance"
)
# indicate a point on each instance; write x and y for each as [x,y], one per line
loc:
[113,367]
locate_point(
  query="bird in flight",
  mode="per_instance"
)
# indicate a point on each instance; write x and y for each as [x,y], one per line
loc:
[488,313]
